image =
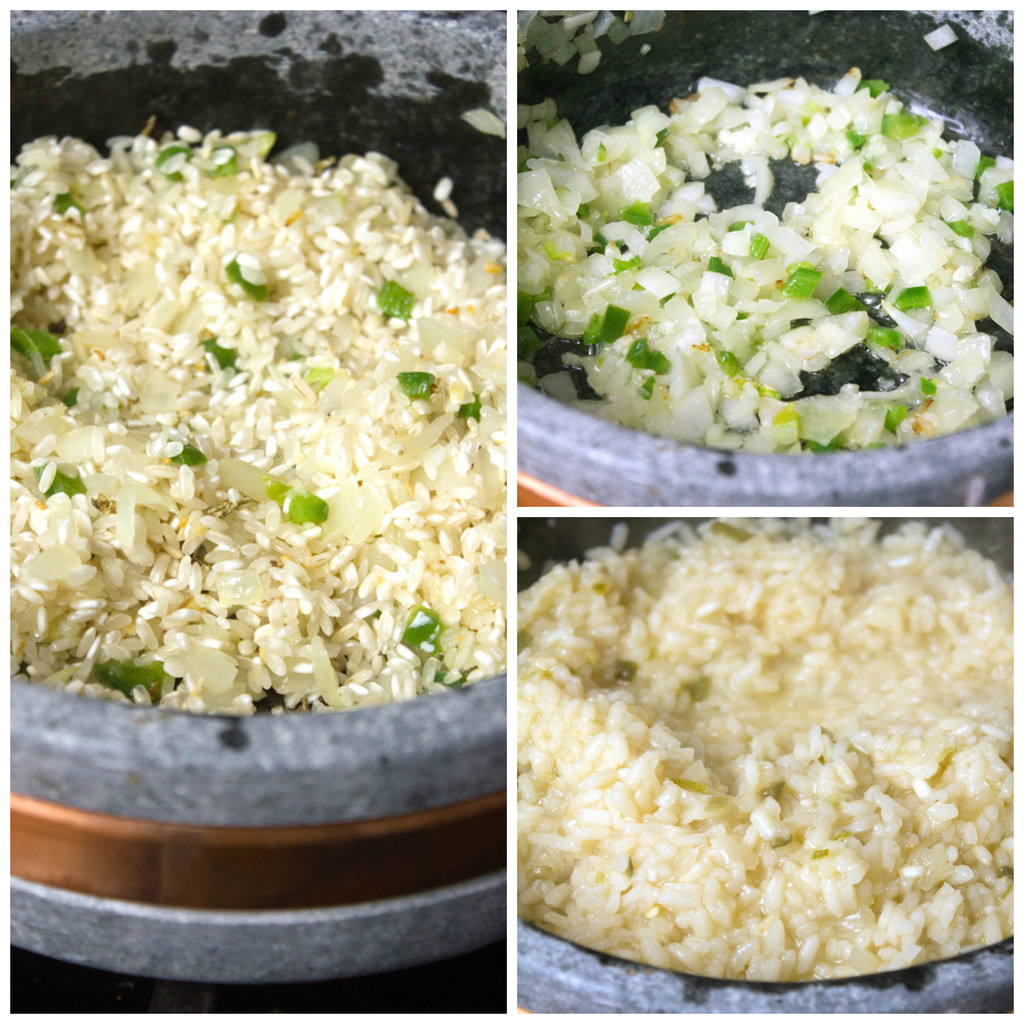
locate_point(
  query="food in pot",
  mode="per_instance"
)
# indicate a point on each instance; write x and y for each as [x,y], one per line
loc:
[865,312]
[766,751]
[258,428]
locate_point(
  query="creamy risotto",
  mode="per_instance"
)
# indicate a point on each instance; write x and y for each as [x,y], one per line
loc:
[769,753]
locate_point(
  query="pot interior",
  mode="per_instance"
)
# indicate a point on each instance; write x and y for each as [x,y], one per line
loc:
[350,81]
[564,539]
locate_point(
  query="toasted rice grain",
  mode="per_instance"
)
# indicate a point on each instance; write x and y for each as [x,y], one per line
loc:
[138,568]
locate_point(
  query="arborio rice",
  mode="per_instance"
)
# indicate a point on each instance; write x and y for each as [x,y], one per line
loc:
[769,755]
[258,428]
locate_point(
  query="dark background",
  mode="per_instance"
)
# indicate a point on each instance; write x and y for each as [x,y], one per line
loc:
[472,983]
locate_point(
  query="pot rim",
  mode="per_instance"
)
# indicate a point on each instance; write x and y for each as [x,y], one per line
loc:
[290,769]
[615,465]
[576,979]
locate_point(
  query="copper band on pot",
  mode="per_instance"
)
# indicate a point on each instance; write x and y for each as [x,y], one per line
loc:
[536,492]
[215,867]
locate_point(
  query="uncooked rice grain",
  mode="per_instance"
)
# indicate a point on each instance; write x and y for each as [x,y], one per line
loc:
[238,314]
[769,752]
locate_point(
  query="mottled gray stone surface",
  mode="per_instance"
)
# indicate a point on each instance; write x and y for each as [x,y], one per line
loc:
[268,946]
[555,976]
[351,81]
[261,770]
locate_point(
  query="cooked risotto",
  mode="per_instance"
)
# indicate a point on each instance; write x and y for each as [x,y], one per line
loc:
[257,425]
[769,752]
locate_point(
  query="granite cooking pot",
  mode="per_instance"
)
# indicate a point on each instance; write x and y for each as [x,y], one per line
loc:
[274,848]
[969,83]
[556,976]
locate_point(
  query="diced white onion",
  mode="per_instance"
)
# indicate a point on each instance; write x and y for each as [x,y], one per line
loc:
[942,36]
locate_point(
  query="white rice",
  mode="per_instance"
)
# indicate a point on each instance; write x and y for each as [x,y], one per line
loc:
[194,566]
[779,757]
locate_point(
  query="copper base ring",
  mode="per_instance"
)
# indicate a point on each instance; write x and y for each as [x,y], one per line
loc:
[214,867]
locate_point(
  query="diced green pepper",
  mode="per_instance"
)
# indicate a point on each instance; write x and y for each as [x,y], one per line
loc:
[894,416]
[719,266]
[624,670]
[928,386]
[29,342]
[659,139]
[1004,191]
[738,225]
[984,163]
[759,245]
[609,327]
[583,211]
[124,676]
[637,354]
[554,253]
[234,274]
[66,201]
[647,389]
[654,232]
[299,506]
[302,507]
[640,356]
[70,397]
[841,301]
[875,86]
[528,344]
[631,264]
[225,161]
[901,125]
[699,689]
[639,215]
[319,376]
[470,410]
[525,305]
[658,362]
[961,228]
[423,630]
[168,154]
[801,282]
[190,456]
[887,337]
[416,384]
[788,419]
[728,362]
[855,139]
[913,298]
[394,301]
[225,358]
[62,483]
[276,490]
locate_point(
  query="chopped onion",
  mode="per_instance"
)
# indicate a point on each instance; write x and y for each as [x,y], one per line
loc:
[942,36]
[727,315]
